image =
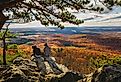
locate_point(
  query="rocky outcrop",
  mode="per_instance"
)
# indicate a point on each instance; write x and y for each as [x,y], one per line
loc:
[25,70]
[107,73]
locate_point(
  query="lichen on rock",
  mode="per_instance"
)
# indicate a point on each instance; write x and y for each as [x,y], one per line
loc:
[107,73]
[25,70]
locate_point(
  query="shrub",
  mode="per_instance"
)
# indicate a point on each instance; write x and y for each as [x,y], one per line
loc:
[12,46]
[9,58]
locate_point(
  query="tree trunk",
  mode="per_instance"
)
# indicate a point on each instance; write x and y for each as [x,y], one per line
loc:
[4,51]
[3,19]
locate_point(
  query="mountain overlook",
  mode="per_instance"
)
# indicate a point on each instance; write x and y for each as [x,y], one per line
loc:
[60,41]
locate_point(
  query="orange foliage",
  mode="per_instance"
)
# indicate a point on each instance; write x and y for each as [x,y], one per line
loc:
[81,48]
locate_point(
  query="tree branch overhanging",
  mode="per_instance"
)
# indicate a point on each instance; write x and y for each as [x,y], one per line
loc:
[9,4]
[48,7]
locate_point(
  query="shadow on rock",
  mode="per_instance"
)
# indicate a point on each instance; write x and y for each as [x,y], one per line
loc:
[25,70]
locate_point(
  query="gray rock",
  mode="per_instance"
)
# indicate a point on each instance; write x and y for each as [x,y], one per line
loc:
[71,77]
[18,60]
[25,70]
[107,73]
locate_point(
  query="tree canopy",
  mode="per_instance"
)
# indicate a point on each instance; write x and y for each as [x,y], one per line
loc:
[48,11]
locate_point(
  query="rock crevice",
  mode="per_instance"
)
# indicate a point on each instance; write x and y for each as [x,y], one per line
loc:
[25,70]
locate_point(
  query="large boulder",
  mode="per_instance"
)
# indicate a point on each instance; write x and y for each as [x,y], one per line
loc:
[25,70]
[22,70]
[107,73]
[67,77]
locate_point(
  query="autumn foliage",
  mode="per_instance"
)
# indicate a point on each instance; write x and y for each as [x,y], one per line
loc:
[81,52]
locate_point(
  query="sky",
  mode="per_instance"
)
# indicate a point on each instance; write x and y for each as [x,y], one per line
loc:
[110,18]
